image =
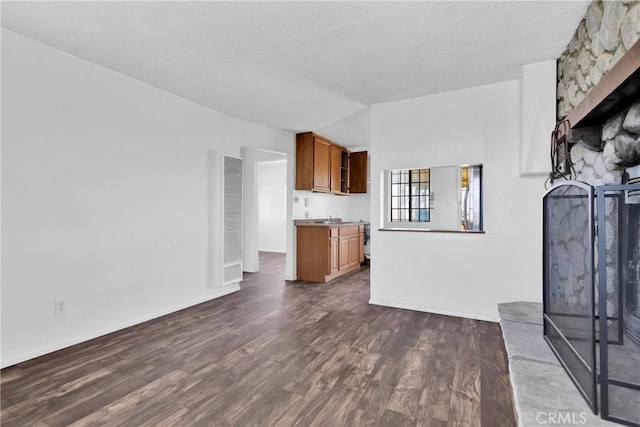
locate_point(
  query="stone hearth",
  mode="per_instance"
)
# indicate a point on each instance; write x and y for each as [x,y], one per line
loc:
[541,388]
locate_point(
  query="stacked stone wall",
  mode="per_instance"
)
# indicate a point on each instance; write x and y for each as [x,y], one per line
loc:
[604,35]
[619,149]
[607,31]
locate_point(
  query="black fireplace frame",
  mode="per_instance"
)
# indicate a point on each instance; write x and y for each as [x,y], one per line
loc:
[596,223]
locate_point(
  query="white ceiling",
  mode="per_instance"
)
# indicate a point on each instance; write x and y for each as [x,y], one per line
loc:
[304,65]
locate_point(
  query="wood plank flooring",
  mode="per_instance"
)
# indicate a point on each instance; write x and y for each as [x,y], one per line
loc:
[295,354]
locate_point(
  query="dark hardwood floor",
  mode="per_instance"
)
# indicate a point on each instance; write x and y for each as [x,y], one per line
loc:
[273,354]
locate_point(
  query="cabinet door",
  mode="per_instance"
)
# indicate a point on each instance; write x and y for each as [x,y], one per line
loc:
[334,261]
[336,169]
[344,172]
[354,252]
[321,164]
[304,161]
[361,248]
[358,172]
[344,253]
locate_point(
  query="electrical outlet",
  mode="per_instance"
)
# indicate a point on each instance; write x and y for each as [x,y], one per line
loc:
[59,307]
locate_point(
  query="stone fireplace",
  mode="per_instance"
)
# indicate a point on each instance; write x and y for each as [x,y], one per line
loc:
[618,148]
[592,222]
[604,163]
[602,60]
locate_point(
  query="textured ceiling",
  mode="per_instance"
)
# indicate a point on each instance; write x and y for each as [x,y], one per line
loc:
[304,65]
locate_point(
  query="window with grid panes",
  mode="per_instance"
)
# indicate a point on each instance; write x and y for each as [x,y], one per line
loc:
[410,195]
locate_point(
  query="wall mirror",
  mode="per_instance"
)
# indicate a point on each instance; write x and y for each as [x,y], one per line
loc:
[443,198]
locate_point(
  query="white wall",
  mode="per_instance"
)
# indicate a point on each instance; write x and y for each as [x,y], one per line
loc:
[272,192]
[104,197]
[461,274]
[538,116]
[250,210]
[350,208]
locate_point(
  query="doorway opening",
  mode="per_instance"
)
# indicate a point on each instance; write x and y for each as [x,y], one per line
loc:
[267,212]
[272,205]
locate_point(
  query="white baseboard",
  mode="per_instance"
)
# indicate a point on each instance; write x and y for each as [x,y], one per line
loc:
[77,340]
[424,309]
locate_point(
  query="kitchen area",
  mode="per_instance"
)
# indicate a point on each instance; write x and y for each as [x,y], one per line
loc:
[330,208]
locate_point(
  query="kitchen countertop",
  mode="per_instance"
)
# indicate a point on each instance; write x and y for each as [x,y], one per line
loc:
[336,222]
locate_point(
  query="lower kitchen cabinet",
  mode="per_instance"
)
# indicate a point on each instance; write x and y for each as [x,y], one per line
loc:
[343,252]
[325,252]
[334,254]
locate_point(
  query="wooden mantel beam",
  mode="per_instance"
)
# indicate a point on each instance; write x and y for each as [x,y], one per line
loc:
[616,91]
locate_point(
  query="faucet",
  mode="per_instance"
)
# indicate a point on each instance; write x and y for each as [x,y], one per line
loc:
[328,220]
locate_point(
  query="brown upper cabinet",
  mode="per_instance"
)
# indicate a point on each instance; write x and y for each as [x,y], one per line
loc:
[321,163]
[358,176]
[324,166]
